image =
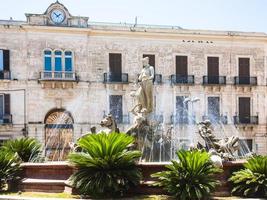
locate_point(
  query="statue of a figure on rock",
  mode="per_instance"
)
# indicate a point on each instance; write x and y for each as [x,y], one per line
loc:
[144,94]
[225,148]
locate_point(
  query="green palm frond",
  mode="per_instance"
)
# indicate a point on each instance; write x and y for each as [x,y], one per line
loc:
[27,149]
[251,181]
[9,167]
[189,178]
[106,166]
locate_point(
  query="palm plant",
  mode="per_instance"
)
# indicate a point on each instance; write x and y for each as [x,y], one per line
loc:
[251,181]
[106,166]
[9,167]
[190,178]
[27,149]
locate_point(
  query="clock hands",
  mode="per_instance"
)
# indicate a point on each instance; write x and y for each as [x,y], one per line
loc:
[57,15]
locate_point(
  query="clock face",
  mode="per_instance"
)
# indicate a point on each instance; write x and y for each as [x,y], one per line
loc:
[57,16]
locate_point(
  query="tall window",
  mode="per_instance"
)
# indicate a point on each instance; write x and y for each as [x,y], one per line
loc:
[48,60]
[68,61]
[1,60]
[115,107]
[181,110]
[58,61]
[244,109]
[213,70]
[244,70]
[115,67]
[1,106]
[4,64]
[214,109]
[5,108]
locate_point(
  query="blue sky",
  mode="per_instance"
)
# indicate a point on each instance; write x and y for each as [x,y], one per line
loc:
[239,15]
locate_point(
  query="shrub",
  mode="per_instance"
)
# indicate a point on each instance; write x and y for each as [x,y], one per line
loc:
[251,181]
[190,178]
[27,149]
[106,166]
[9,167]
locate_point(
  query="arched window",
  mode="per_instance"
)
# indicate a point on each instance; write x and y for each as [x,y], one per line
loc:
[47,60]
[68,61]
[58,61]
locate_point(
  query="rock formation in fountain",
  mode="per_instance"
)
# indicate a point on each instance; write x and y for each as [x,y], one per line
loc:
[224,148]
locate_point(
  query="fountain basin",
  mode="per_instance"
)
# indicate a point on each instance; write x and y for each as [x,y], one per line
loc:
[53,176]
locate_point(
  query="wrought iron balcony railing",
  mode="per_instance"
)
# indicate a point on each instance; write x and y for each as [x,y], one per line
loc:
[182,79]
[5,75]
[214,80]
[216,119]
[110,77]
[158,118]
[185,119]
[58,75]
[158,79]
[6,119]
[245,80]
[246,120]
[123,119]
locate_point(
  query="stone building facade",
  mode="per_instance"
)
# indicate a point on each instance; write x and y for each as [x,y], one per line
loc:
[56,63]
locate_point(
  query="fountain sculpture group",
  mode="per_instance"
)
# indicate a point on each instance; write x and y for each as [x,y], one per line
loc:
[143,127]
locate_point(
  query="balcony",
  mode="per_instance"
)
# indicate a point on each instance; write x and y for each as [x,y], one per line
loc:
[5,75]
[181,79]
[115,78]
[124,119]
[158,118]
[214,80]
[177,119]
[158,79]
[246,120]
[58,76]
[6,119]
[216,120]
[248,80]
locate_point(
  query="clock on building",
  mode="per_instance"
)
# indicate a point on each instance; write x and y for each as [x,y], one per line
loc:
[57,16]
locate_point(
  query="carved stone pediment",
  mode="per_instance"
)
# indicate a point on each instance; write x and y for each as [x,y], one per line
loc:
[50,16]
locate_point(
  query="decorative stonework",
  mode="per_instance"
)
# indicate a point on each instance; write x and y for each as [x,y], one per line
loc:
[47,17]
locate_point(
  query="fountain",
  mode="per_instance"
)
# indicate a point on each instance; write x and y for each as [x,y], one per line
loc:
[157,141]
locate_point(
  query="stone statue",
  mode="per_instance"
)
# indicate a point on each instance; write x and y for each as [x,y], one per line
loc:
[139,119]
[110,123]
[225,148]
[144,94]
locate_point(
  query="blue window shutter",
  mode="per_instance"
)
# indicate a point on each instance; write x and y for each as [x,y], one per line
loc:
[48,61]
[58,61]
[68,61]
[1,60]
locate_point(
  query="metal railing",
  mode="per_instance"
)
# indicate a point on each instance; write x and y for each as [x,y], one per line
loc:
[6,119]
[185,119]
[158,78]
[123,119]
[158,118]
[214,80]
[58,75]
[245,80]
[110,77]
[246,120]
[5,75]
[182,79]
[216,119]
